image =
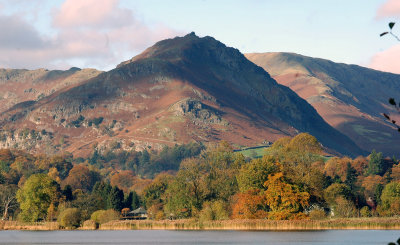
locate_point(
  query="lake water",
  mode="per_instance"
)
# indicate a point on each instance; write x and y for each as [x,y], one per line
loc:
[331,237]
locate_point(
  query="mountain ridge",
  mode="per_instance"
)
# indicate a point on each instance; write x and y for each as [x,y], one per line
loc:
[350,98]
[179,90]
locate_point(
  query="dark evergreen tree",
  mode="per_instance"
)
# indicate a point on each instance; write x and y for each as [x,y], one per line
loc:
[67,192]
[115,199]
[132,201]
[351,177]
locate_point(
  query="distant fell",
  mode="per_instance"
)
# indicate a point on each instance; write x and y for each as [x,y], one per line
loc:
[350,98]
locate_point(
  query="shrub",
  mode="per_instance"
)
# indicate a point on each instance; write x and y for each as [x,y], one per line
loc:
[70,218]
[317,214]
[216,210]
[104,216]
[365,212]
[345,208]
[89,225]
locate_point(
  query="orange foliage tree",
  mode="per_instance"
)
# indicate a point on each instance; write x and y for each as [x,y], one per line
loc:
[123,179]
[80,177]
[285,200]
[249,205]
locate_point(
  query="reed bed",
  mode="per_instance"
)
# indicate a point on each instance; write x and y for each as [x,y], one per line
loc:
[277,225]
[192,224]
[31,226]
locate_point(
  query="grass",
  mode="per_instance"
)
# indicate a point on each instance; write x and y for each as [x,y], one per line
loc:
[266,150]
[254,153]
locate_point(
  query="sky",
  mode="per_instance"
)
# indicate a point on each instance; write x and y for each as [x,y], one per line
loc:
[59,34]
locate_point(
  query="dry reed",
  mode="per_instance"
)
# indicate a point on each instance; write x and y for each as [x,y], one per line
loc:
[32,226]
[327,224]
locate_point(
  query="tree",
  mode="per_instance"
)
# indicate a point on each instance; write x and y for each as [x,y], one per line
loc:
[284,200]
[80,177]
[115,199]
[132,201]
[35,197]
[250,204]
[375,164]
[390,198]
[336,190]
[8,200]
[123,179]
[254,174]
[86,203]
[186,192]
[351,177]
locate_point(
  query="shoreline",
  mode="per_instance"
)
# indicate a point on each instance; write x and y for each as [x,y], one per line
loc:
[242,225]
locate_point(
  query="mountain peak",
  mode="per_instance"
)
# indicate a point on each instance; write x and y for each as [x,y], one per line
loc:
[182,47]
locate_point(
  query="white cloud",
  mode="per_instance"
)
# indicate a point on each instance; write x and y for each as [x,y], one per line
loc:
[93,33]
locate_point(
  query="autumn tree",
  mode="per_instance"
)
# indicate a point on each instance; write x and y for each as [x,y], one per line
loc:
[80,177]
[154,193]
[123,179]
[284,200]
[8,200]
[35,197]
[250,204]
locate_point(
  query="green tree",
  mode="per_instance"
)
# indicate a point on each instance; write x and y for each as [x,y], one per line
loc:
[35,197]
[255,173]
[86,203]
[375,164]
[390,198]
[187,192]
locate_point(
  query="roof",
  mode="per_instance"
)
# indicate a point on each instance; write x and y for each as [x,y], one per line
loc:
[138,211]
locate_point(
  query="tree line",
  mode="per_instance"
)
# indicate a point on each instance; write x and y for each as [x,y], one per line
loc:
[292,181]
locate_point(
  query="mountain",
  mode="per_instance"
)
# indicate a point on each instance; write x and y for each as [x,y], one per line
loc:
[179,90]
[349,97]
[18,85]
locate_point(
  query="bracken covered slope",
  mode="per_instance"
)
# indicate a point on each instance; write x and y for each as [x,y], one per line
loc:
[349,97]
[179,90]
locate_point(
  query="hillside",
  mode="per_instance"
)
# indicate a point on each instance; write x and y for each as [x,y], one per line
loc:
[19,85]
[179,90]
[349,97]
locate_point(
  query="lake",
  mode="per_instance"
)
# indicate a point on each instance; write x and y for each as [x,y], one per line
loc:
[330,237]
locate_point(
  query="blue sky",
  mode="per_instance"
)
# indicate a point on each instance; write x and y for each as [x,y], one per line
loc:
[101,33]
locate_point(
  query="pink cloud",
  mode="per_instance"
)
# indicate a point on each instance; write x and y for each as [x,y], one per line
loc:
[388,60]
[92,13]
[88,33]
[391,8]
